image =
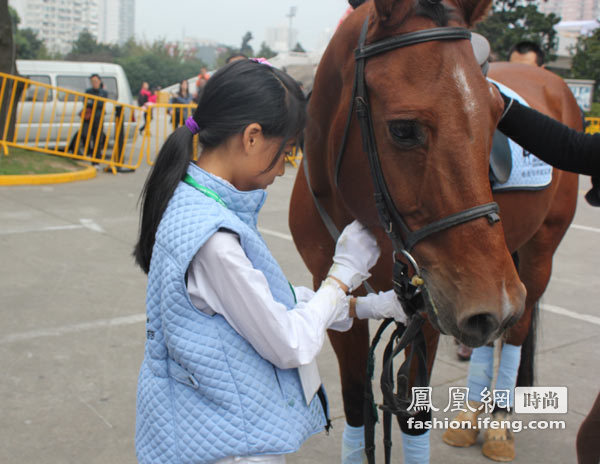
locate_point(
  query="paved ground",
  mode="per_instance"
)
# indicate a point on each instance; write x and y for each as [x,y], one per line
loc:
[72,307]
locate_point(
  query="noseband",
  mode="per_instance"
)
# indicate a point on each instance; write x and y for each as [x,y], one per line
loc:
[407,288]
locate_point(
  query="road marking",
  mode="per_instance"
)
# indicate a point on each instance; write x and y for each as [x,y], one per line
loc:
[91,224]
[571,314]
[84,224]
[139,318]
[42,229]
[589,229]
[73,328]
[274,233]
[95,411]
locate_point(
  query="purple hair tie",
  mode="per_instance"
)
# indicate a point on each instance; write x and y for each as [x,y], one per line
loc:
[261,61]
[192,125]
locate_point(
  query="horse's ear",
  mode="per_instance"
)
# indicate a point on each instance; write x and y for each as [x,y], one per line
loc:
[384,8]
[473,10]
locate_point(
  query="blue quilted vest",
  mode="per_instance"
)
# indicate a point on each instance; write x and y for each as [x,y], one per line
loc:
[203,392]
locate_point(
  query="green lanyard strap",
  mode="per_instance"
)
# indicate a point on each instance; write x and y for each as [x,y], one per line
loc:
[205,190]
[215,196]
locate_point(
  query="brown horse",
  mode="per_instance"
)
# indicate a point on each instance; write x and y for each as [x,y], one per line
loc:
[433,118]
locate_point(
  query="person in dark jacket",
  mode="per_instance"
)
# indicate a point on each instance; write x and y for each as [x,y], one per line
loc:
[92,114]
[553,142]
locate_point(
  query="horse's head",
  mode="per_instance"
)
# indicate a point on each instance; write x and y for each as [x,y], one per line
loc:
[432,118]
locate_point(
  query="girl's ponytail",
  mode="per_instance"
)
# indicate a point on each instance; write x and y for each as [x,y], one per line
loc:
[169,168]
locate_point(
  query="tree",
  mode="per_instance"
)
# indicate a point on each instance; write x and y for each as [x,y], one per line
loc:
[299,48]
[86,48]
[266,51]
[586,60]
[8,57]
[7,45]
[224,53]
[28,46]
[245,48]
[512,21]
[158,64]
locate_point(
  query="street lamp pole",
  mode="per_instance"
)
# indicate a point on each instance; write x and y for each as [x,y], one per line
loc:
[291,15]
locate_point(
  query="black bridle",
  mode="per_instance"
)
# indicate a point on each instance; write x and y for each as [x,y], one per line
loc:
[407,288]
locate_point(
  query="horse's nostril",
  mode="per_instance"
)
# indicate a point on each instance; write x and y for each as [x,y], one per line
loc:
[476,329]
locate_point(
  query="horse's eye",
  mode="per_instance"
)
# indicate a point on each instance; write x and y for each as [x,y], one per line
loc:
[407,133]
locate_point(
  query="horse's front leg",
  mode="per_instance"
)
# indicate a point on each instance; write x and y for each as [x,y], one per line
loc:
[415,435]
[351,349]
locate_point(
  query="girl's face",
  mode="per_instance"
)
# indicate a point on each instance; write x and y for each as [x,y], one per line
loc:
[260,153]
[184,86]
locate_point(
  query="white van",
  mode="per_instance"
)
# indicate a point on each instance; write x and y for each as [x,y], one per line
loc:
[73,75]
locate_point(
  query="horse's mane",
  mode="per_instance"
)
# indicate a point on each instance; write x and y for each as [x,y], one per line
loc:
[432,9]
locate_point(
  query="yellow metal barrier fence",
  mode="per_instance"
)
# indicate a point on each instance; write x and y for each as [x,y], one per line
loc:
[592,125]
[64,122]
[72,124]
[161,119]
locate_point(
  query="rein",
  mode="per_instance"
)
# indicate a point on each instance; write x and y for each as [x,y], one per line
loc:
[396,400]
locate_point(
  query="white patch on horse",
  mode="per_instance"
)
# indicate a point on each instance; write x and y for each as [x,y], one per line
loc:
[507,307]
[463,86]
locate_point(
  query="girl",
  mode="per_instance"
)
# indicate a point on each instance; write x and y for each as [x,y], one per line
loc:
[229,372]
[182,97]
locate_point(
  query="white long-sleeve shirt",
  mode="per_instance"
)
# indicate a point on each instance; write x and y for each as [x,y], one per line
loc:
[222,280]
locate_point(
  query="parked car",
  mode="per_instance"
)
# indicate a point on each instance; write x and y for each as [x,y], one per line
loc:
[52,116]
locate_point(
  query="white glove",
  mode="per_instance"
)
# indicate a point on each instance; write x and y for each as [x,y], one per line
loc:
[356,252]
[382,305]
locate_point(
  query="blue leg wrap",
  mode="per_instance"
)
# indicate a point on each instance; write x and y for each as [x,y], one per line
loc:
[481,369]
[508,370]
[415,448]
[353,445]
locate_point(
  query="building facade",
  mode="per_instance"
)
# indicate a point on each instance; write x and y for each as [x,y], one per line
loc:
[117,18]
[59,22]
[572,10]
[281,39]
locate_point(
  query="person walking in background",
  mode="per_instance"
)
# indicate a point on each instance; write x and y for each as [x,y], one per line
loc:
[201,81]
[146,99]
[91,114]
[182,97]
[144,94]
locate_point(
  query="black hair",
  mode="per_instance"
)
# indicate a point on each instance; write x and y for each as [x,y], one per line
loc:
[527,46]
[237,95]
[356,3]
[96,75]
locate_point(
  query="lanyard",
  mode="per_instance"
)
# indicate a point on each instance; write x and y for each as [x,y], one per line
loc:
[215,196]
[205,190]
